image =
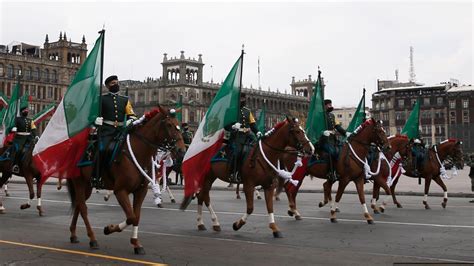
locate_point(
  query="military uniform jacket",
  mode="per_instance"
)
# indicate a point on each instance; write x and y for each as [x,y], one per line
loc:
[115,109]
[187,137]
[333,124]
[246,117]
[24,125]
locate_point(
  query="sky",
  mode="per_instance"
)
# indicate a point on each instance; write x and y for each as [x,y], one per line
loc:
[353,43]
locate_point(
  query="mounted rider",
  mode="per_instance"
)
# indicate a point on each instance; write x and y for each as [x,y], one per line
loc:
[241,137]
[417,154]
[187,135]
[25,136]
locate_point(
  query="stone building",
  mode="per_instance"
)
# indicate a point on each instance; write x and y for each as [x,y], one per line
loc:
[45,73]
[461,115]
[182,78]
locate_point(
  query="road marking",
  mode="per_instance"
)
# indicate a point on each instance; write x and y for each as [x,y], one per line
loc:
[279,216]
[80,253]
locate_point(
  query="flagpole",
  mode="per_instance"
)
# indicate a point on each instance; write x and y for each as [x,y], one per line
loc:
[240,85]
[102,32]
[363,95]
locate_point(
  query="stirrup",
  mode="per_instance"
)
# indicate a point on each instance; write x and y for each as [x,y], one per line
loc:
[16,169]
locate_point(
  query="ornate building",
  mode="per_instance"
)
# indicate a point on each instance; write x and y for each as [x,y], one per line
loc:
[461,115]
[45,73]
[182,79]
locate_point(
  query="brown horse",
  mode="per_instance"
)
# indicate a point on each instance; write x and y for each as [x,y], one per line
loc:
[258,168]
[351,165]
[125,176]
[431,168]
[29,171]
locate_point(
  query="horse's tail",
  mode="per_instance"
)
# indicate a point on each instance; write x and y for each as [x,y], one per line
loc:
[72,192]
[185,203]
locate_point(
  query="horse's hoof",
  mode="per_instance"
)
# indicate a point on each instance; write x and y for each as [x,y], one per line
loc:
[277,234]
[321,204]
[93,244]
[25,206]
[173,201]
[159,205]
[370,221]
[443,204]
[298,217]
[216,228]
[382,209]
[238,196]
[337,209]
[258,197]
[399,205]
[106,198]
[333,220]
[7,194]
[139,251]
[40,210]
[107,230]
[290,213]
[74,239]
[58,188]
[237,225]
[201,227]
[2,211]
[427,207]
[277,198]
[376,211]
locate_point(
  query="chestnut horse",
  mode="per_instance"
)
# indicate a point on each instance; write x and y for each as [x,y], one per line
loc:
[258,168]
[159,130]
[29,171]
[351,165]
[431,168]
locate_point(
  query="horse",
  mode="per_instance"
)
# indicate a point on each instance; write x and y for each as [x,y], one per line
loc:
[155,130]
[258,168]
[29,171]
[432,168]
[350,166]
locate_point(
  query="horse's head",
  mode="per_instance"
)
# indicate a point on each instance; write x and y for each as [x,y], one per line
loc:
[399,143]
[167,130]
[373,132]
[453,148]
[298,138]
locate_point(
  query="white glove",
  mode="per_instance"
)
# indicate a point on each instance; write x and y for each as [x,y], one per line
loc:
[259,134]
[99,121]
[417,141]
[129,122]
[348,134]
[14,129]
[37,138]
[327,133]
[236,126]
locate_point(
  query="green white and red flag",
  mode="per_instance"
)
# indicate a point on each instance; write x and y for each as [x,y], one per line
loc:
[46,112]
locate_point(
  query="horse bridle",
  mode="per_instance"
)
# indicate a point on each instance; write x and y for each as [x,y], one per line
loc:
[299,145]
[165,145]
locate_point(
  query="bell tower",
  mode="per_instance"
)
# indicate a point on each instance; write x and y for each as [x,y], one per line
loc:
[185,71]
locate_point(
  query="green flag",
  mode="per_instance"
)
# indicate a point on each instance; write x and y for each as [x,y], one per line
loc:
[179,109]
[316,122]
[25,101]
[12,111]
[411,128]
[3,100]
[261,120]
[224,108]
[47,111]
[359,115]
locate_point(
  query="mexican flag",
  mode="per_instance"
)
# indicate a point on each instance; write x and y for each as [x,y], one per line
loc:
[223,111]
[411,128]
[316,123]
[65,138]
[359,115]
[3,100]
[9,114]
[47,111]
[261,120]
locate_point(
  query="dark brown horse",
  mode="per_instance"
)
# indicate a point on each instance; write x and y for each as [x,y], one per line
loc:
[257,169]
[431,168]
[29,171]
[352,165]
[159,130]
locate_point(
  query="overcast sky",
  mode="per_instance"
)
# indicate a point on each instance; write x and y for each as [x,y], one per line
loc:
[354,43]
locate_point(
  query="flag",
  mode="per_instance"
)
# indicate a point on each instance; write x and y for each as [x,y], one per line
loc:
[25,101]
[359,115]
[47,111]
[3,100]
[179,109]
[316,122]
[411,128]
[65,138]
[261,120]
[223,111]
[8,118]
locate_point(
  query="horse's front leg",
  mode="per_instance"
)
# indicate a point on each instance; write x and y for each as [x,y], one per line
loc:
[122,198]
[29,183]
[38,195]
[427,189]
[440,182]
[271,218]
[359,182]
[138,198]
[248,190]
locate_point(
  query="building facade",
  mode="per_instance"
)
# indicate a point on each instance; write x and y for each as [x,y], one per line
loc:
[461,115]
[44,73]
[182,78]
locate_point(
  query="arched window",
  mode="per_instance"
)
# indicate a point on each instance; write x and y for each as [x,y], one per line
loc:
[46,75]
[10,72]
[54,76]
[36,74]
[28,73]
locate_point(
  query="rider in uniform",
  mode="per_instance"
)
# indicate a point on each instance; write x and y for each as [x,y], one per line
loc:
[25,135]
[187,135]
[417,153]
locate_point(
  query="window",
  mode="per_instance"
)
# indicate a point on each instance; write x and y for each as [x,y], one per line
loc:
[339,115]
[399,115]
[382,105]
[452,104]
[439,101]
[426,101]
[385,116]
[33,90]
[465,103]
[401,103]
[452,117]
[33,108]
[2,70]
[465,116]
[350,115]
[10,71]
[50,92]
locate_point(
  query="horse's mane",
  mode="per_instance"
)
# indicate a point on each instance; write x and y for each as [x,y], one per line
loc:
[275,128]
[152,113]
[448,140]
[363,125]
[398,136]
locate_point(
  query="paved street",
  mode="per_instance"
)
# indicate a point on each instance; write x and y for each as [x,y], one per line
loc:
[170,236]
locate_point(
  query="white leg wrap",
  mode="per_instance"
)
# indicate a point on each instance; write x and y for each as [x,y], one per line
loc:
[446,194]
[169,193]
[122,225]
[199,214]
[331,203]
[364,207]
[39,201]
[2,208]
[425,198]
[271,218]
[28,202]
[135,232]
[6,187]
[373,201]
[297,213]
[244,218]
[213,215]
